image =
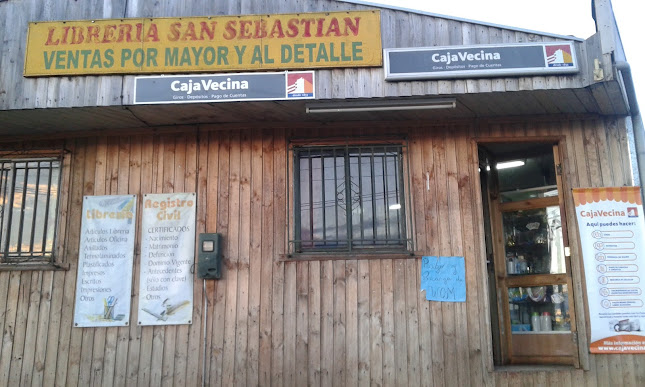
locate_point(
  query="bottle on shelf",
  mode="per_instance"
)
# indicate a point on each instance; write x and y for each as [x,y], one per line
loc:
[558,317]
[515,265]
[515,313]
[535,322]
[526,318]
[522,265]
[510,264]
[559,320]
[545,322]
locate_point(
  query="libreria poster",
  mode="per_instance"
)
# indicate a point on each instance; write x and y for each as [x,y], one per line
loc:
[167,257]
[610,222]
[104,280]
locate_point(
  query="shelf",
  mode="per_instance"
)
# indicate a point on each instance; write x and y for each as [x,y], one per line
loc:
[529,301]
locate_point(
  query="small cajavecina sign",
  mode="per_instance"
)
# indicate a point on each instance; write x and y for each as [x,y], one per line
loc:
[161,89]
[204,44]
[480,61]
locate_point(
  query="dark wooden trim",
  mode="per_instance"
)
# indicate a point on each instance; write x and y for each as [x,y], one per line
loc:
[33,266]
[533,139]
[533,368]
[529,204]
[346,257]
[546,360]
[400,125]
[350,140]
[513,281]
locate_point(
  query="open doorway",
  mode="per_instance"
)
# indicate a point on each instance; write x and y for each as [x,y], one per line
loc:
[529,271]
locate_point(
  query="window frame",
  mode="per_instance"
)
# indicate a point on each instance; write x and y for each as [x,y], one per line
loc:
[406,224]
[53,260]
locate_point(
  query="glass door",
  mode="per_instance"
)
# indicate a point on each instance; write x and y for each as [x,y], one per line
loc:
[532,271]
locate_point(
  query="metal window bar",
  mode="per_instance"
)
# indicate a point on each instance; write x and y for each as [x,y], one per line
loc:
[397,187]
[292,211]
[311,199]
[11,194]
[9,191]
[399,194]
[47,204]
[23,203]
[324,202]
[385,195]
[348,200]
[297,202]
[35,212]
[335,191]
[406,199]
[56,204]
[4,183]
[391,160]
[390,189]
[373,181]
[360,194]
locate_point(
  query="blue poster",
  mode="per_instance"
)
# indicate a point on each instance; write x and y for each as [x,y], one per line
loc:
[444,278]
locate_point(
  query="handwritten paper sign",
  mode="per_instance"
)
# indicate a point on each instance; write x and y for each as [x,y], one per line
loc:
[444,278]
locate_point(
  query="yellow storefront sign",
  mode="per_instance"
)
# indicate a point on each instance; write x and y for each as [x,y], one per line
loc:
[204,44]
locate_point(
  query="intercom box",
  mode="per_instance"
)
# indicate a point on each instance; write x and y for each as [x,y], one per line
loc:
[210,256]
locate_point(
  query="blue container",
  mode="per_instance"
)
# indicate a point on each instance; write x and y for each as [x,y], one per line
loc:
[520,327]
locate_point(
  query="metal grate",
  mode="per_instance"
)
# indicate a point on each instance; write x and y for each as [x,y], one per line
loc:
[349,198]
[29,191]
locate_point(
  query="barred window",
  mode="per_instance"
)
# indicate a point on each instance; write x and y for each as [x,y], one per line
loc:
[29,194]
[350,199]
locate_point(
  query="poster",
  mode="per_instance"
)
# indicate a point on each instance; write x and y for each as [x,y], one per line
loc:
[610,222]
[104,279]
[444,278]
[167,257]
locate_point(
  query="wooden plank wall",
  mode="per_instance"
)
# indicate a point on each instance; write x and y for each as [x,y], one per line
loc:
[399,29]
[271,321]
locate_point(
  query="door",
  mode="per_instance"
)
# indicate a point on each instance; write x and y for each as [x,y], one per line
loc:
[533,289]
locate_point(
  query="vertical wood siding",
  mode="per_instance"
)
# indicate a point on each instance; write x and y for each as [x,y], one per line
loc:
[281,322]
[398,29]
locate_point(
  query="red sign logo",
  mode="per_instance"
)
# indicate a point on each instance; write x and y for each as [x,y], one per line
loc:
[559,55]
[300,85]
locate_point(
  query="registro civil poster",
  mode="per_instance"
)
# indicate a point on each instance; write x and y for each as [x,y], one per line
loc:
[167,257]
[610,222]
[104,279]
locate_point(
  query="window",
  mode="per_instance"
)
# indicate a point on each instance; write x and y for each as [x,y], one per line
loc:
[349,198]
[29,196]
